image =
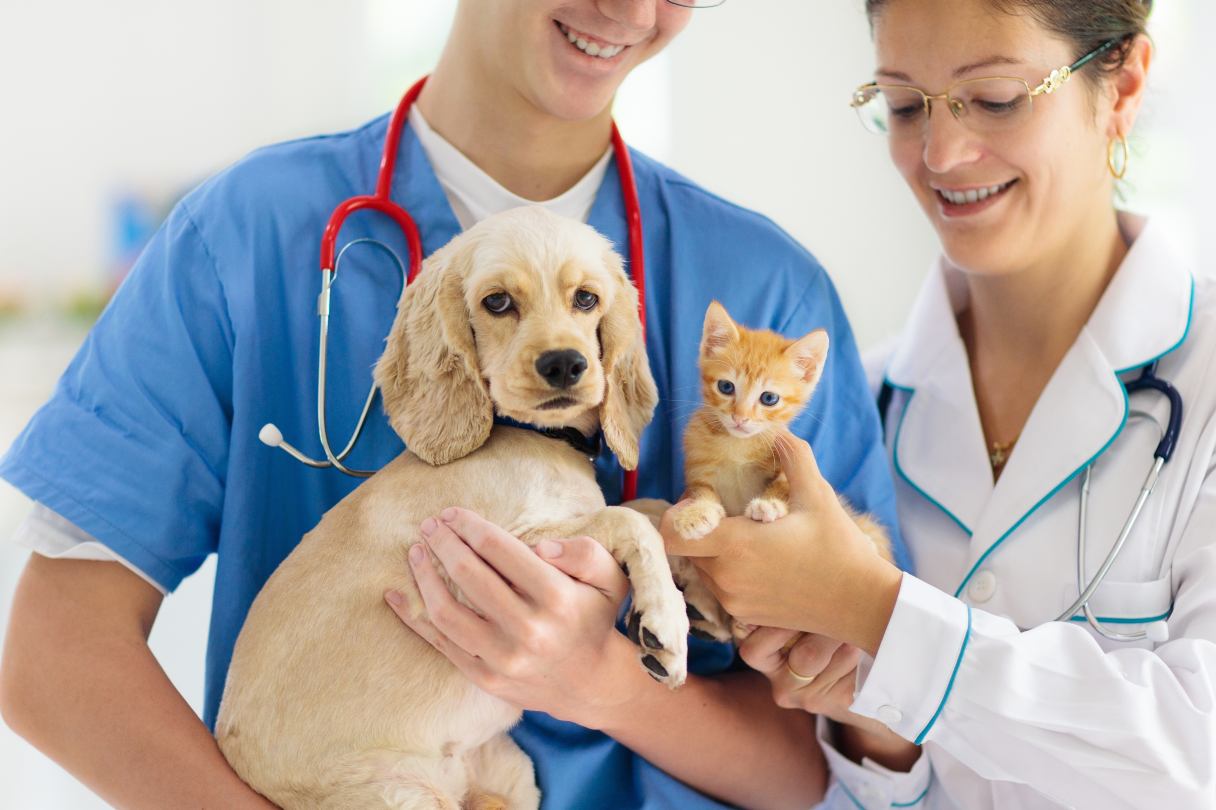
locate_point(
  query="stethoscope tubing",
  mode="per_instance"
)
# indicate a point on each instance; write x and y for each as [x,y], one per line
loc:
[381,201]
[1156,630]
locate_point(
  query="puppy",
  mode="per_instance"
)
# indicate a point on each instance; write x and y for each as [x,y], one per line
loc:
[331,702]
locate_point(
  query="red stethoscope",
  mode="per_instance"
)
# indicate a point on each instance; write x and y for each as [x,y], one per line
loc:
[382,202]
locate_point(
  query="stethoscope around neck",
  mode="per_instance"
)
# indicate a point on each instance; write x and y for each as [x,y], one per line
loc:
[1156,630]
[381,201]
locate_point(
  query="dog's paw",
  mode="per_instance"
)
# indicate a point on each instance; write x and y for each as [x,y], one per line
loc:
[740,630]
[766,510]
[697,519]
[660,629]
[706,617]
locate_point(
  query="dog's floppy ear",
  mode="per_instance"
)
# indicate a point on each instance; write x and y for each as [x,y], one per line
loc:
[630,394]
[429,377]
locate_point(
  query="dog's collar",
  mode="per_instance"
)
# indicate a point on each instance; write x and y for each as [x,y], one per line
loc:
[587,445]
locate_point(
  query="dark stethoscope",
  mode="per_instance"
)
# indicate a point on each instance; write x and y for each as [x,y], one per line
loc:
[1156,631]
[381,201]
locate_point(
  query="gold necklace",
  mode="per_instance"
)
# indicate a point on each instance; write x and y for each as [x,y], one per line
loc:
[998,454]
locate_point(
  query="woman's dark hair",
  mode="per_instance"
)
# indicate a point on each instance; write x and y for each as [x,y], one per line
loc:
[1086,24]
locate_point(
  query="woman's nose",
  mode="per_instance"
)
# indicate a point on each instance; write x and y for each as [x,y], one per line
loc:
[947,141]
[638,15]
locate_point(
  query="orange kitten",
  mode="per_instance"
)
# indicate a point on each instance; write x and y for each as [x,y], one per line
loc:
[754,383]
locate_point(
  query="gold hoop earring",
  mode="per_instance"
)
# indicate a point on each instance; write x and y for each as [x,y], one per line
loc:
[1117,170]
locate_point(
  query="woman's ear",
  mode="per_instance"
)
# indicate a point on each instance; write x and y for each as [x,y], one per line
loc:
[1129,84]
[630,394]
[429,376]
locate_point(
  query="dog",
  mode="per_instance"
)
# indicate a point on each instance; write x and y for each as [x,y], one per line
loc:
[331,702]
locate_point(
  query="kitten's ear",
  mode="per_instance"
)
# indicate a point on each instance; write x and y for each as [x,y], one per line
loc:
[809,354]
[719,329]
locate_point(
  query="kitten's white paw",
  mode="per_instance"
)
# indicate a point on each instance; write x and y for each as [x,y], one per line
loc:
[766,510]
[698,519]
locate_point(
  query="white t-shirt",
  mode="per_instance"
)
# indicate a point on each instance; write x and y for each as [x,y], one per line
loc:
[473,196]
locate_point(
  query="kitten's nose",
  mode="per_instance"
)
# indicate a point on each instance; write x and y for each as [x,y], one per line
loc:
[740,421]
[561,368]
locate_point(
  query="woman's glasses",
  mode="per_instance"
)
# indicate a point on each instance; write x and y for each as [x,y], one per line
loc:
[985,106]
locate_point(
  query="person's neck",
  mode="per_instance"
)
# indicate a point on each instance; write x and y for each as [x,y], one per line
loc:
[528,152]
[1019,326]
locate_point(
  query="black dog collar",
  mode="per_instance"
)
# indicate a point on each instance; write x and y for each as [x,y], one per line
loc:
[587,445]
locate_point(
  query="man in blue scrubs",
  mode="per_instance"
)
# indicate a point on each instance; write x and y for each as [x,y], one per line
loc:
[146,459]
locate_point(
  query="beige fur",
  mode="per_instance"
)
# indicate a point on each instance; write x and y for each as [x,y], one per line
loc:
[331,702]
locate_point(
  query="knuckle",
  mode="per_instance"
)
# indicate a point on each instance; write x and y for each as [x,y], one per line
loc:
[462,568]
[514,666]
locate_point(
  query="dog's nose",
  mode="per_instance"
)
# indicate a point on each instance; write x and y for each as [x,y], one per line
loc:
[561,368]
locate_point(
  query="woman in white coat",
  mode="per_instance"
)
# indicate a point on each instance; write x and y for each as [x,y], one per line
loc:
[961,687]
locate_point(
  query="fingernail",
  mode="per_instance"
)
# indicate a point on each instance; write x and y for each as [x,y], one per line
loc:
[428,527]
[394,598]
[417,552]
[549,549]
[449,514]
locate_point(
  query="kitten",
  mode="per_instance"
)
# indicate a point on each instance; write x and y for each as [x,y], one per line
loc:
[754,383]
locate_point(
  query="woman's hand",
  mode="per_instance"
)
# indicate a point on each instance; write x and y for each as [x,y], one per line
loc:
[818,675]
[540,633]
[812,570]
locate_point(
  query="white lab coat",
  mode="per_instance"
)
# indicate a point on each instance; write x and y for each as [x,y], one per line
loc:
[1015,710]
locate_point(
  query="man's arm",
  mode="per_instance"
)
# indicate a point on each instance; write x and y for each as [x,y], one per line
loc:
[78,681]
[540,635]
[723,734]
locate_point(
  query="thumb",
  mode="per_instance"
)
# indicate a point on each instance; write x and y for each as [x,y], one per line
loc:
[587,561]
[799,465]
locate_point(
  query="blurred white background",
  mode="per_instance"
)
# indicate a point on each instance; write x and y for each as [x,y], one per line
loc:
[113,109]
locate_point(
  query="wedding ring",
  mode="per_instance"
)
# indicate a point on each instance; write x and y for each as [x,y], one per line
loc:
[798,676]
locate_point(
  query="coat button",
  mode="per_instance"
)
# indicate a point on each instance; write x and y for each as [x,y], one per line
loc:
[889,714]
[982,587]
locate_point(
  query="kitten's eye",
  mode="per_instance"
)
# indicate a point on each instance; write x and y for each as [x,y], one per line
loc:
[769,398]
[726,387]
[586,300]
[497,303]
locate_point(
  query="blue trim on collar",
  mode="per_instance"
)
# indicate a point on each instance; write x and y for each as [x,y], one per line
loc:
[915,801]
[950,684]
[1190,316]
[1047,497]
[900,470]
[1186,333]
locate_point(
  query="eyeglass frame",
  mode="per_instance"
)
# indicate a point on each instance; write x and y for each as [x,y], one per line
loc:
[695,4]
[1053,82]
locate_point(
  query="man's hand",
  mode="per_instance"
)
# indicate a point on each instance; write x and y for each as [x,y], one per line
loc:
[540,633]
[818,675]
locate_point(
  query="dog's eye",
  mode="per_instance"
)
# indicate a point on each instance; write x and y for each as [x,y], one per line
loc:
[585,300]
[497,303]
[726,387]
[769,398]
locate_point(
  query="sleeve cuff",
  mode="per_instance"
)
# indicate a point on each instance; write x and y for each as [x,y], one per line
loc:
[911,678]
[48,533]
[870,785]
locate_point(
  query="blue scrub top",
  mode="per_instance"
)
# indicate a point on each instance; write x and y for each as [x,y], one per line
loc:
[149,442]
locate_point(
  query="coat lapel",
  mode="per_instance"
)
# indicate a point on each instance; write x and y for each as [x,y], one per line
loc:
[939,448]
[1144,314]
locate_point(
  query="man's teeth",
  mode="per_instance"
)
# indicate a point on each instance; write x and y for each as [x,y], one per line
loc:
[592,48]
[972,195]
